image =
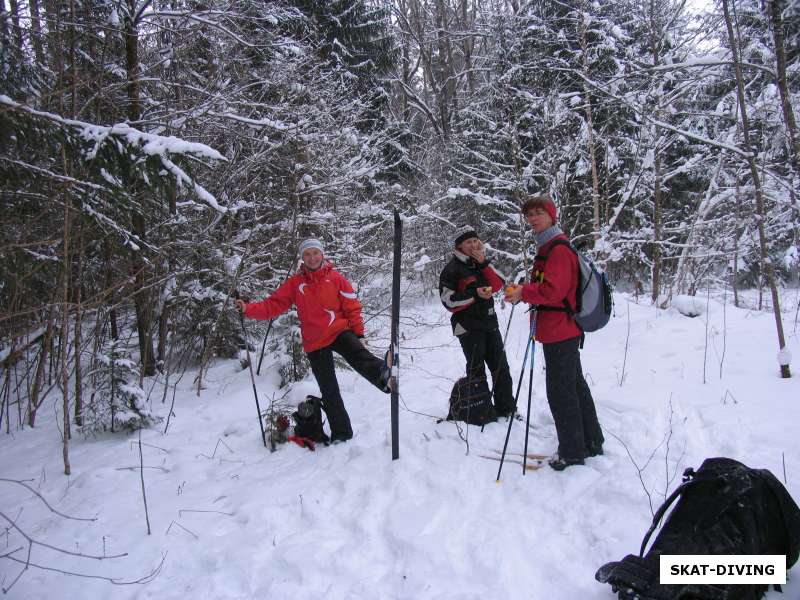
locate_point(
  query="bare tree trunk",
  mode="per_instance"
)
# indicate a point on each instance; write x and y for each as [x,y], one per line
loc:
[467,21]
[36,28]
[164,312]
[767,267]
[590,131]
[657,203]
[657,223]
[16,29]
[405,65]
[65,275]
[775,10]
[141,297]
[41,365]
[446,82]
[108,254]
[78,329]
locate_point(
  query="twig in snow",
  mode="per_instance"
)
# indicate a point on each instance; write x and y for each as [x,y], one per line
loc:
[724,326]
[627,338]
[152,446]
[33,542]
[189,510]
[667,477]
[728,393]
[136,468]
[213,454]
[142,580]
[38,495]
[194,535]
[641,469]
[708,317]
[141,477]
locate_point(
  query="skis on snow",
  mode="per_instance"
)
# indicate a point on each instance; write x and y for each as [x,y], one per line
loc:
[534,465]
[394,351]
[520,458]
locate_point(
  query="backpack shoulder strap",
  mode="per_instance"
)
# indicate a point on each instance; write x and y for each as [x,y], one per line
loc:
[558,242]
[543,257]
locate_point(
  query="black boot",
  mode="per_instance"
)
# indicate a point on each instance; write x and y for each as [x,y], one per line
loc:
[560,463]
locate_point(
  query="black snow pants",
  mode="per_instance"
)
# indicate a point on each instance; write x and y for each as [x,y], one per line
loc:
[570,400]
[366,364]
[486,347]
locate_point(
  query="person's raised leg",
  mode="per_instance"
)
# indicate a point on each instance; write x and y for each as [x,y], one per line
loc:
[366,364]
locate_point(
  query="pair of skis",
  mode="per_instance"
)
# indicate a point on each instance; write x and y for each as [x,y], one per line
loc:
[532,462]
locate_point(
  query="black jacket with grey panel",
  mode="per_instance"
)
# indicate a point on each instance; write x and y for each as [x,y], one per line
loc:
[458,291]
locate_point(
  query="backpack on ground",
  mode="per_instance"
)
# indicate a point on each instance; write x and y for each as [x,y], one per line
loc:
[308,419]
[722,508]
[594,301]
[471,402]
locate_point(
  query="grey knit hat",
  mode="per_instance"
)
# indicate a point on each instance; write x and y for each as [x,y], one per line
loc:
[310,243]
[464,233]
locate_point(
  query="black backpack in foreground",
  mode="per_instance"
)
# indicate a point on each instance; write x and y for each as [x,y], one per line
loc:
[308,419]
[471,402]
[722,508]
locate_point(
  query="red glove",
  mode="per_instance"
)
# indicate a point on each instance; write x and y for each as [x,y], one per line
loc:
[302,442]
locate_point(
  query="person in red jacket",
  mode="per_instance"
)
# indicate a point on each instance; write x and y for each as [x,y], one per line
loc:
[330,321]
[555,279]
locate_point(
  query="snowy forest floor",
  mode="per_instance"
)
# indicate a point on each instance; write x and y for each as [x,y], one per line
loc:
[231,520]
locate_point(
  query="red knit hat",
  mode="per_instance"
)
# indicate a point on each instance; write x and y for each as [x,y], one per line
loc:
[544,202]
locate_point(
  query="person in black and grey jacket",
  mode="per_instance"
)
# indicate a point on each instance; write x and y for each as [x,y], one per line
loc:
[466,286]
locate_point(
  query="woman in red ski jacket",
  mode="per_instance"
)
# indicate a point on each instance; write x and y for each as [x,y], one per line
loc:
[554,282]
[330,321]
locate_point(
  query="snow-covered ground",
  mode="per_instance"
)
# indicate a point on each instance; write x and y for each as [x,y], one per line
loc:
[231,520]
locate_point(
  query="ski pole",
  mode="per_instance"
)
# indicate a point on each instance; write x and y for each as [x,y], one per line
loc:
[528,415]
[516,397]
[252,377]
[264,346]
[271,321]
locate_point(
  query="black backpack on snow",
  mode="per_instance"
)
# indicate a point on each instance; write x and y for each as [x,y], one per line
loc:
[308,419]
[722,508]
[471,401]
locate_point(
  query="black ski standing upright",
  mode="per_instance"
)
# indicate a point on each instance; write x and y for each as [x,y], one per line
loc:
[394,351]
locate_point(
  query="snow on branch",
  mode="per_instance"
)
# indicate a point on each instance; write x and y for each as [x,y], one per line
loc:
[454,193]
[647,117]
[123,134]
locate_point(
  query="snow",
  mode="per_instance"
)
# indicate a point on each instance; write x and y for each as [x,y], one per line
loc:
[478,197]
[232,264]
[420,264]
[689,306]
[231,520]
[784,356]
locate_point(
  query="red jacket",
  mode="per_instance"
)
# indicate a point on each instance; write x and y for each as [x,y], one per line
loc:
[326,305]
[552,281]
